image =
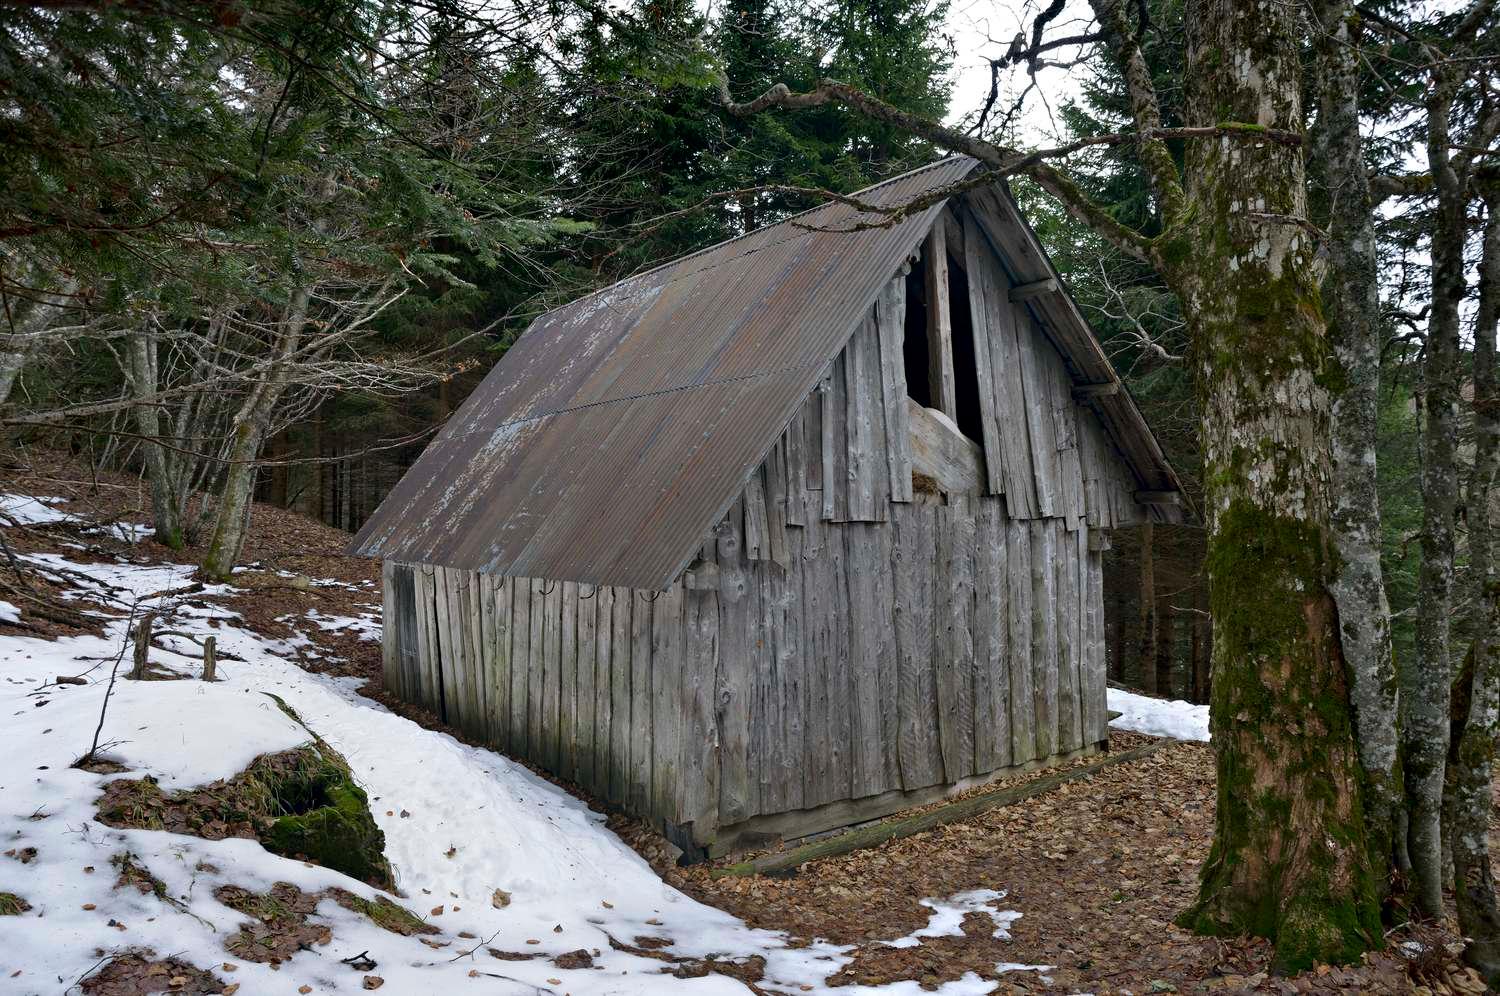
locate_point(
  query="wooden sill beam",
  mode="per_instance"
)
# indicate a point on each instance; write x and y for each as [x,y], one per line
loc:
[880,833]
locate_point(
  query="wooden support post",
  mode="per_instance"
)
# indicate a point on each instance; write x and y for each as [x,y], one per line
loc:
[1024,292]
[940,376]
[142,645]
[210,658]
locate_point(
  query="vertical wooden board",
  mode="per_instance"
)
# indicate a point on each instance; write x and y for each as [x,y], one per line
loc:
[953,648]
[536,748]
[390,674]
[552,679]
[478,668]
[890,314]
[866,632]
[459,584]
[500,598]
[433,622]
[584,698]
[1047,473]
[567,698]
[1065,425]
[1044,635]
[812,425]
[449,648]
[1095,693]
[1008,392]
[641,706]
[869,477]
[484,611]
[739,787]
[757,544]
[791,656]
[794,443]
[1018,618]
[621,650]
[698,796]
[604,602]
[941,380]
[985,564]
[441,654]
[991,562]
[912,618]
[774,474]
[886,696]
[520,666]
[817,623]
[989,377]
[668,693]
[841,746]
[836,443]
[1069,622]
[767,586]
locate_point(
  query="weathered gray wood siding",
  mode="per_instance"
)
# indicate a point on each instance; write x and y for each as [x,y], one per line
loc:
[840,635]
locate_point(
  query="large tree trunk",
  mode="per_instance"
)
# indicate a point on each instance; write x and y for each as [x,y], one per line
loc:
[1476,699]
[1289,859]
[1352,307]
[248,432]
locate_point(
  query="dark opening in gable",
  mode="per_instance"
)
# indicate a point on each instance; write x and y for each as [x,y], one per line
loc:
[916,348]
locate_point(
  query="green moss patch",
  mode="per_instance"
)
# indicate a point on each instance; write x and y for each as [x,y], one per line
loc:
[300,803]
[12,904]
[283,923]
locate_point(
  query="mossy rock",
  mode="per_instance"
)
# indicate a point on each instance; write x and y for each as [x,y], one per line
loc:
[340,834]
[12,904]
[300,803]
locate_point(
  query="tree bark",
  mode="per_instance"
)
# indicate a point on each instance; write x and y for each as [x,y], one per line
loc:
[1166,645]
[167,506]
[17,345]
[1425,686]
[1145,651]
[1289,859]
[1476,699]
[1352,308]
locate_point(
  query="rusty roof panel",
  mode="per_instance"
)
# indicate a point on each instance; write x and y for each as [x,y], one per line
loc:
[616,430]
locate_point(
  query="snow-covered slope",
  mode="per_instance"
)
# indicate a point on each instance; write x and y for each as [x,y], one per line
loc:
[460,823]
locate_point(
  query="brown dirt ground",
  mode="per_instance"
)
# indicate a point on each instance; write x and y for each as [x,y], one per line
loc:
[1098,868]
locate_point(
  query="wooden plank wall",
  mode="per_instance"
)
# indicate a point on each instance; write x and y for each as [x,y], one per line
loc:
[838,636]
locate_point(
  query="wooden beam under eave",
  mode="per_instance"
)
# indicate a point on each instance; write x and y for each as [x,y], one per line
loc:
[1025,292]
[1158,497]
[941,382]
[1083,392]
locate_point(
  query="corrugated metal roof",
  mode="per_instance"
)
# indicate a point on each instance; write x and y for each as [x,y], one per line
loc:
[618,428]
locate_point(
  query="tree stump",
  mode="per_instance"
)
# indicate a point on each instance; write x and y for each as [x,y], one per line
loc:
[142,645]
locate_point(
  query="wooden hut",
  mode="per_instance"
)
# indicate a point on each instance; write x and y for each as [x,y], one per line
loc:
[784,535]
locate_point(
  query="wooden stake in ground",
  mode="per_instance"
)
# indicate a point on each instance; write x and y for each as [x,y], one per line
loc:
[142,645]
[210,658]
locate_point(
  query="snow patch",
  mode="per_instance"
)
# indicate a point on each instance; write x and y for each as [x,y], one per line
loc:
[1158,717]
[948,916]
[25,510]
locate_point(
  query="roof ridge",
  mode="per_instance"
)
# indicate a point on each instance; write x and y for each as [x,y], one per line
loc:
[677,260]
